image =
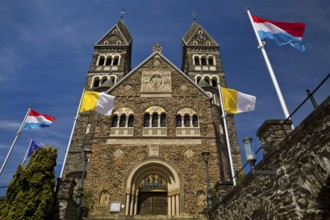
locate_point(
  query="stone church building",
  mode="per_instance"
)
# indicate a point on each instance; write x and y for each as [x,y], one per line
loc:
[146,157]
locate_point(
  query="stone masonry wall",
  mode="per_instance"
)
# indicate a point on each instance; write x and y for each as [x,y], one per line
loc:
[108,171]
[300,190]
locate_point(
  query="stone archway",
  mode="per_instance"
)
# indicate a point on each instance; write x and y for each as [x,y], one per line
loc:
[153,167]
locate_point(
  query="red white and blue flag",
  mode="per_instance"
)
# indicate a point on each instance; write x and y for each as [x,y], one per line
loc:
[282,32]
[36,120]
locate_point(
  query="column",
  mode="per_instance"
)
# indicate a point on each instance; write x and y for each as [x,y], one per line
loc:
[127,204]
[169,205]
[135,204]
[131,205]
[177,205]
[173,205]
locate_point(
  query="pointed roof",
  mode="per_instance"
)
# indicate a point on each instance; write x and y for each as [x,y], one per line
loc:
[193,31]
[169,62]
[122,33]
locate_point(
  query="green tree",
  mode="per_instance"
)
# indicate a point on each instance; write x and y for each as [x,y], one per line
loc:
[30,195]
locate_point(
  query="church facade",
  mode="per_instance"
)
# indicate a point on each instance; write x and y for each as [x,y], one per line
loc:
[146,157]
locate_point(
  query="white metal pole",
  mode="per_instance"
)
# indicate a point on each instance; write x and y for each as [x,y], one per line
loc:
[16,137]
[27,151]
[73,127]
[227,136]
[270,69]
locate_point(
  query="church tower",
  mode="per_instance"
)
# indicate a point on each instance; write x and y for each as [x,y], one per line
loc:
[201,61]
[111,59]
[147,156]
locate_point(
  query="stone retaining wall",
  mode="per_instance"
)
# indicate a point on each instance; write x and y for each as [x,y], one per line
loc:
[300,190]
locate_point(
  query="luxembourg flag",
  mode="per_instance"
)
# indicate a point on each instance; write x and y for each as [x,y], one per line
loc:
[36,120]
[282,32]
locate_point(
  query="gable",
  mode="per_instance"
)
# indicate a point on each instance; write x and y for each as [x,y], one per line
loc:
[196,35]
[158,77]
[118,35]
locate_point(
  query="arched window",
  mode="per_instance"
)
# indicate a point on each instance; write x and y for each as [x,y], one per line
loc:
[101,61]
[108,63]
[198,78]
[116,61]
[154,120]
[104,198]
[114,121]
[118,42]
[96,82]
[211,61]
[186,119]
[195,121]
[204,61]
[163,120]
[131,121]
[122,122]
[146,120]
[196,59]
[214,82]
[178,121]
[207,79]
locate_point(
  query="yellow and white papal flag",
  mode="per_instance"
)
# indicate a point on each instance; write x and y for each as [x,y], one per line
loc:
[99,102]
[236,102]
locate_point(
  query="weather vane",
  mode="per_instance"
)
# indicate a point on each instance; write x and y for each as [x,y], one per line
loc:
[194,15]
[122,13]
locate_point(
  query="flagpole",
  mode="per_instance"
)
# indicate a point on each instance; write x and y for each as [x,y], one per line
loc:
[270,69]
[27,151]
[73,127]
[227,136]
[16,137]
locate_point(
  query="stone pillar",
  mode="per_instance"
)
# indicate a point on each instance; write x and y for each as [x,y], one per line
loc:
[272,132]
[127,204]
[173,204]
[169,205]
[66,207]
[131,205]
[177,210]
[135,204]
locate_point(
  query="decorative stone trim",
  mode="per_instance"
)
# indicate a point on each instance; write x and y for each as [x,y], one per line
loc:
[189,154]
[121,131]
[154,132]
[188,132]
[118,154]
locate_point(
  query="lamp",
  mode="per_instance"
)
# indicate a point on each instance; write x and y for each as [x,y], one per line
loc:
[251,158]
[87,153]
[206,157]
[249,150]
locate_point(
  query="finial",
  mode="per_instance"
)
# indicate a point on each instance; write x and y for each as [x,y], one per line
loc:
[194,15]
[157,48]
[122,13]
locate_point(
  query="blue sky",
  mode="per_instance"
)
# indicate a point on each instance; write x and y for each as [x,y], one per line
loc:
[46,49]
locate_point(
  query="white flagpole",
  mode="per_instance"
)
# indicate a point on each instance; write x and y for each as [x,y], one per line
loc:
[270,69]
[16,137]
[227,136]
[27,151]
[73,127]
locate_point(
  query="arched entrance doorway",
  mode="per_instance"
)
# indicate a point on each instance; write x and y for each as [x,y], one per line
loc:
[152,198]
[153,188]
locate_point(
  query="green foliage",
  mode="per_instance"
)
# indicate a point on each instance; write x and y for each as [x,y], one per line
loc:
[30,195]
[88,200]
